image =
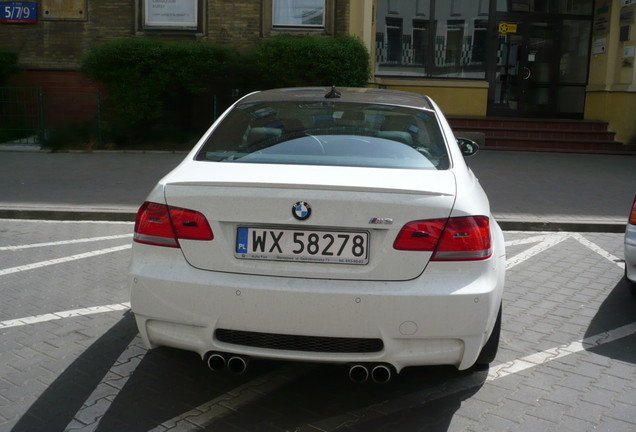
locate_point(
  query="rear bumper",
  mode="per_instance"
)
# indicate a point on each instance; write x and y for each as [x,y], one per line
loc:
[443,317]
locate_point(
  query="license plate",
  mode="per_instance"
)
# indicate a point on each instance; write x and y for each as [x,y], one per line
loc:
[335,247]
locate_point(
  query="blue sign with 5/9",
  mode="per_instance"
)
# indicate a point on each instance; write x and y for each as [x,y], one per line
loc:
[18,12]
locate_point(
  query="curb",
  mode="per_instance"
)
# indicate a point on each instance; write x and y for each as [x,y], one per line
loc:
[68,215]
[128,216]
[599,227]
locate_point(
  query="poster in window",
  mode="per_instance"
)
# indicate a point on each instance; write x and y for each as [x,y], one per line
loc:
[299,13]
[171,13]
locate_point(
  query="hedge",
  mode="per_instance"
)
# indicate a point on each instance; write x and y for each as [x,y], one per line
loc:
[292,61]
[142,74]
[151,82]
[8,62]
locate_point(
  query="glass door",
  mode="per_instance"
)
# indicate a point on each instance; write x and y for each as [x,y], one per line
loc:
[524,77]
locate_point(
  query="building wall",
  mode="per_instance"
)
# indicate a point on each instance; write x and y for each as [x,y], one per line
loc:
[611,90]
[60,43]
[465,98]
[236,23]
[50,50]
[59,40]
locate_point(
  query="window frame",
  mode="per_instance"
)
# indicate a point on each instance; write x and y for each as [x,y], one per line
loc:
[269,29]
[198,28]
[298,25]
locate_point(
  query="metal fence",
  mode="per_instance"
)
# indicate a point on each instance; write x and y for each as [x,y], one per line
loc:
[32,115]
[21,115]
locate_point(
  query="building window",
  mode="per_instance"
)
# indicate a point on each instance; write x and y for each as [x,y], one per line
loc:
[171,15]
[298,13]
[454,41]
[480,41]
[420,42]
[440,39]
[394,40]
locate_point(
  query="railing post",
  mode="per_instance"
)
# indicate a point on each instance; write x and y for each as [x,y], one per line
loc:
[98,116]
[42,135]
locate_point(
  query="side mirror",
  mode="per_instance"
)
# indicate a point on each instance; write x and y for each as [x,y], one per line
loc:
[467,147]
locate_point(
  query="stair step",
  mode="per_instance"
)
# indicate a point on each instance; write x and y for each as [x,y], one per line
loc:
[527,123]
[557,135]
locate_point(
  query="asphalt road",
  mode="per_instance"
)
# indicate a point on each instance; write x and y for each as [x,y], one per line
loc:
[526,190]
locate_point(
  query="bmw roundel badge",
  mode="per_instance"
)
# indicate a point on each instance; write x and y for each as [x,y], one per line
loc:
[301,210]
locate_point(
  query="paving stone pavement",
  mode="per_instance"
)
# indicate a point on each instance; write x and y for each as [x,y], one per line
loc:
[71,359]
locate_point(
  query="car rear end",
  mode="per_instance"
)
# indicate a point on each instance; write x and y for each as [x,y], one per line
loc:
[319,262]
[630,245]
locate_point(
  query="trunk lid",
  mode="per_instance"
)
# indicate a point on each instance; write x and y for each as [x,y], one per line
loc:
[348,205]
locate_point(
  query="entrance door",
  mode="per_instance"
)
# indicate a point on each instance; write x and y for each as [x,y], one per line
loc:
[524,77]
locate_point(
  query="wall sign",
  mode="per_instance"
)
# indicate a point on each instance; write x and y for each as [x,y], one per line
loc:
[22,12]
[171,13]
[507,27]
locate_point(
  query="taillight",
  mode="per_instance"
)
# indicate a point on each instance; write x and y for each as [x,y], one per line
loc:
[162,225]
[465,238]
[632,215]
[421,235]
[453,239]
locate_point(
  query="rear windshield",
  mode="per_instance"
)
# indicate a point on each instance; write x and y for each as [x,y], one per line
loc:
[328,133]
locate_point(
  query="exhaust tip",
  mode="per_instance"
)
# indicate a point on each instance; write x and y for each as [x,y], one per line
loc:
[216,362]
[237,365]
[358,374]
[381,374]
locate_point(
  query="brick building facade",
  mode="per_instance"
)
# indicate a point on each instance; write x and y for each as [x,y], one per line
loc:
[52,45]
[65,30]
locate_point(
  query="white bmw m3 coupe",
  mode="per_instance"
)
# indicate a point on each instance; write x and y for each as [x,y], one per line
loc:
[325,225]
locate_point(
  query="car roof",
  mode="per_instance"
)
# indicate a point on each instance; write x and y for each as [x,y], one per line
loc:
[344,94]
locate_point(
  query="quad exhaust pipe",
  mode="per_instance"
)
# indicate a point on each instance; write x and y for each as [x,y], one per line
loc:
[237,365]
[358,373]
[216,362]
[219,361]
[379,374]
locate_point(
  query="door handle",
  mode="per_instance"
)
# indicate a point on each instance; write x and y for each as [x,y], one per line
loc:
[528,73]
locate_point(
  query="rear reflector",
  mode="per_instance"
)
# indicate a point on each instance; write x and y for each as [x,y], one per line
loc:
[453,239]
[632,215]
[162,225]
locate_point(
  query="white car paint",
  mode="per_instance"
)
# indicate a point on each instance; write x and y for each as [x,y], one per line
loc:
[424,312]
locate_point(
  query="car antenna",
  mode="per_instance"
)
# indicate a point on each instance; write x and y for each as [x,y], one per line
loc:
[333,94]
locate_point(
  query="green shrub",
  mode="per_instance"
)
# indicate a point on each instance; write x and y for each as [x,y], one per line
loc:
[165,89]
[72,135]
[292,61]
[143,76]
[8,62]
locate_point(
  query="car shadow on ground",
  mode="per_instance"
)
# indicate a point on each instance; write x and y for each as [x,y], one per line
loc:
[618,310]
[168,383]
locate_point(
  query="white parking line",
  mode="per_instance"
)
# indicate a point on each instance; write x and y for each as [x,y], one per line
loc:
[276,379]
[40,221]
[64,242]
[543,357]
[463,383]
[63,260]
[602,252]
[63,314]
[546,242]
